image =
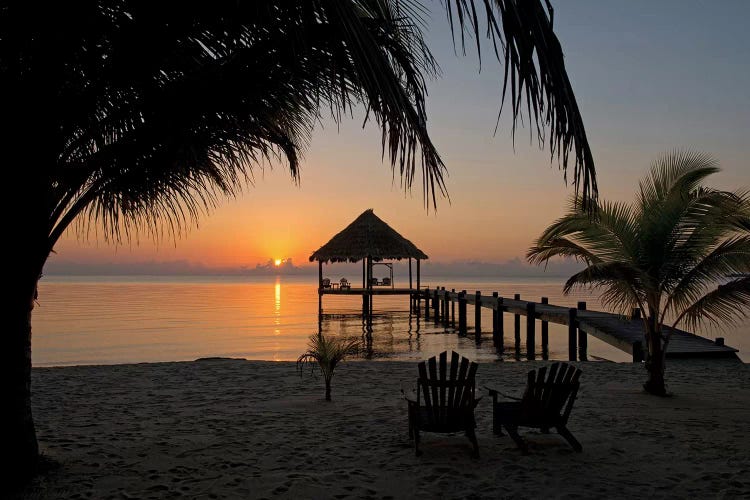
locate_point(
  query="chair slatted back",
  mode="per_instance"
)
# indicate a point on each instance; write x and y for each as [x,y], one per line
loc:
[550,396]
[447,394]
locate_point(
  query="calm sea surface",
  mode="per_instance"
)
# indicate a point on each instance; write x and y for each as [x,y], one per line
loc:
[107,320]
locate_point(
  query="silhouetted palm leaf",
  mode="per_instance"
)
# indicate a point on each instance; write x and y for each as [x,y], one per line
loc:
[160,108]
[522,35]
[724,305]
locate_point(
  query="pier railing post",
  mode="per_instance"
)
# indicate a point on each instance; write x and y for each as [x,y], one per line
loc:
[445,307]
[517,326]
[500,339]
[436,305]
[494,318]
[478,316]
[530,330]
[572,329]
[545,334]
[583,341]
[427,303]
[453,309]
[462,313]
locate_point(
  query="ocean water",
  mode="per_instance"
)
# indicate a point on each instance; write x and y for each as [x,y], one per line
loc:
[110,320]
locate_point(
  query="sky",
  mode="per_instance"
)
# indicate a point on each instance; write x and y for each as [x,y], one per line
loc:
[649,77]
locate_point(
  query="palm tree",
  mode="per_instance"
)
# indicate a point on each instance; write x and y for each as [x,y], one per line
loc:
[326,353]
[133,117]
[665,253]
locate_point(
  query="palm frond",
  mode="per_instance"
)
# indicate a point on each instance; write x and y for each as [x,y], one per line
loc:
[148,92]
[608,234]
[727,304]
[621,283]
[730,257]
[210,93]
[560,247]
[674,172]
[521,32]
[686,225]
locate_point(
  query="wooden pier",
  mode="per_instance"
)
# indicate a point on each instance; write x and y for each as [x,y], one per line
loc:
[368,291]
[625,333]
[370,240]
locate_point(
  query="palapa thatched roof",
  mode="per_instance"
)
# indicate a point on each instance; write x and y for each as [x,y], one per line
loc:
[367,236]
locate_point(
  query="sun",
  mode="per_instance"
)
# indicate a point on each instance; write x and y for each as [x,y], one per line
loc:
[277,262]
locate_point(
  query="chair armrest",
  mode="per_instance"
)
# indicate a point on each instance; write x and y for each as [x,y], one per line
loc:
[410,395]
[495,393]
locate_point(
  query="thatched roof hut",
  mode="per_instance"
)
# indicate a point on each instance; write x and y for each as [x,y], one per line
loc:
[370,240]
[367,237]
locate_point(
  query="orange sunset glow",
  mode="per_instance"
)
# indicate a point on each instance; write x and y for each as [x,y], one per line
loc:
[502,195]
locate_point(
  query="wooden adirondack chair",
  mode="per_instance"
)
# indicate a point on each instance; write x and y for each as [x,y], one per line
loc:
[544,405]
[445,399]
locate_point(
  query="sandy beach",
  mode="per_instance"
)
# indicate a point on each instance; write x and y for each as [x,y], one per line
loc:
[250,429]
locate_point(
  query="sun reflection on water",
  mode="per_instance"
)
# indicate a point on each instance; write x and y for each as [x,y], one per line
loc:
[277,306]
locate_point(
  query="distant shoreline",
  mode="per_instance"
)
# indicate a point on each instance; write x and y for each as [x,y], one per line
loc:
[516,267]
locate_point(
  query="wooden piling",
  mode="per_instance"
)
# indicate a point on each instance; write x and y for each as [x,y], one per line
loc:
[427,303]
[462,313]
[320,289]
[545,334]
[419,287]
[572,329]
[494,317]
[453,309]
[445,306]
[478,315]
[530,330]
[436,306]
[583,341]
[517,325]
[499,337]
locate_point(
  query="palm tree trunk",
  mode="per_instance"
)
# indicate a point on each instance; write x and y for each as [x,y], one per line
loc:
[655,360]
[328,389]
[20,446]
